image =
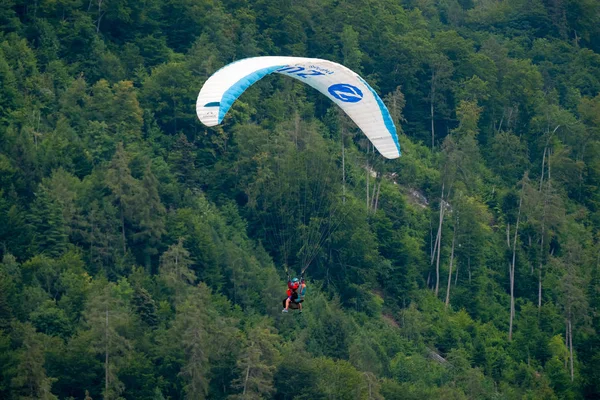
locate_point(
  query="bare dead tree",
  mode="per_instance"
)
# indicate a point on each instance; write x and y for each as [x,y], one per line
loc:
[456,222]
[438,242]
[512,271]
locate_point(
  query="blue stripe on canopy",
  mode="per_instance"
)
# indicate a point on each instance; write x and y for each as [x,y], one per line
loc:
[240,86]
[387,118]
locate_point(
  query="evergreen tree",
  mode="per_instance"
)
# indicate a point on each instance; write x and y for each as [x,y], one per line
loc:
[124,188]
[256,364]
[175,269]
[145,307]
[107,316]
[30,380]
[192,327]
[50,236]
[150,216]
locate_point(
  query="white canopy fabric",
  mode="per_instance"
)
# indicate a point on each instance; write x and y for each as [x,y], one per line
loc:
[343,86]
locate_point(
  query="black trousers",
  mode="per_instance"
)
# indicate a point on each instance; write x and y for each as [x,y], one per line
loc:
[293,303]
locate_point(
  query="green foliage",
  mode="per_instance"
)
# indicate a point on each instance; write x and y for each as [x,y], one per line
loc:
[170,90]
[257,363]
[144,255]
[30,380]
[50,235]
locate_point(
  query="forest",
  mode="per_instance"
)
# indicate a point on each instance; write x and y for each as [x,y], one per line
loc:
[145,256]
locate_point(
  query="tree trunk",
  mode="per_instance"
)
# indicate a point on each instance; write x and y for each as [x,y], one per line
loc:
[530,264]
[437,266]
[100,15]
[512,271]
[439,244]
[546,151]
[549,168]
[571,349]
[432,109]
[432,250]
[122,228]
[543,165]
[368,176]
[540,288]
[450,268]
[174,109]
[246,381]
[373,194]
[542,248]
[428,278]
[296,128]
[377,196]
[92,235]
[439,225]
[468,261]
[566,339]
[456,274]
[512,302]
[469,272]
[106,376]
[343,168]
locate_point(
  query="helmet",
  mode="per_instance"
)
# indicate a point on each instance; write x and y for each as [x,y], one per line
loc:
[294,280]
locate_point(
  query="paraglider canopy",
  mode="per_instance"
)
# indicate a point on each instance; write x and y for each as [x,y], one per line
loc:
[343,86]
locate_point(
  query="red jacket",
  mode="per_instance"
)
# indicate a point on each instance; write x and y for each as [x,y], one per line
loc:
[292,288]
[291,285]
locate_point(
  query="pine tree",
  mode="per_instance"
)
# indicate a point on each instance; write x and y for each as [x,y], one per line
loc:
[182,160]
[124,188]
[257,363]
[30,380]
[107,316]
[150,216]
[10,95]
[50,235]
[573,297]
[5,308]
[146,307]
[175,269]
[126,111]
[351,54]
[191,326]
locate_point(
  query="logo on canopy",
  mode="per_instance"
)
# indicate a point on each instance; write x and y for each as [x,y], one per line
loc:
[346,93]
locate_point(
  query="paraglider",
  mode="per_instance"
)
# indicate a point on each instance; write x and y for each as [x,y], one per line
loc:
[343,86]
[295,294]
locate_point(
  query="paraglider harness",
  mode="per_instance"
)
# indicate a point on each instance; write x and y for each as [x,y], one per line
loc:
[295,292]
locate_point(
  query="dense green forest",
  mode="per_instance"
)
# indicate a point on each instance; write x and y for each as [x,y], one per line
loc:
[144,256]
